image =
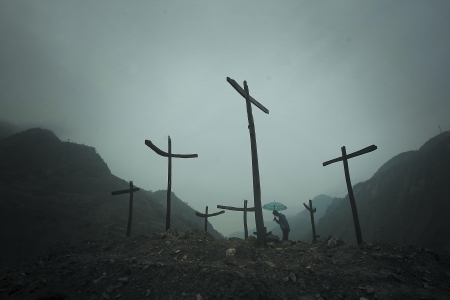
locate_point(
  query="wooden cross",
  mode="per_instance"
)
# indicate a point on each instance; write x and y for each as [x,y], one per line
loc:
[169,180]
[206,216]
[261,237]
[311,212]
[344,158]
[131,190]
[245,209]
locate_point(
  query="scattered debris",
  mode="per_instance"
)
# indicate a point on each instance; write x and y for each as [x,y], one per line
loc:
[194,266]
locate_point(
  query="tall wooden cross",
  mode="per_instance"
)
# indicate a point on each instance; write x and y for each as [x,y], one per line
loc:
[169,180]
[311,212]
[130,209]
[344,158]
[261,232]
[245,209]
[206,216]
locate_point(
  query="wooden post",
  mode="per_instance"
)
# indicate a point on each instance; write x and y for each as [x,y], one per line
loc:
[245,210]
[344,158]
[206,219]
[311,212]
[255,167]
[169,155]
[206,216]
[169,185]
[130,209]
[245,220]
[259,220]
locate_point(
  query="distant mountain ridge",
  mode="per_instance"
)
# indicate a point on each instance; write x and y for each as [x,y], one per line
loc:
[301,223]
[7,129]
[405,201]
[56,192]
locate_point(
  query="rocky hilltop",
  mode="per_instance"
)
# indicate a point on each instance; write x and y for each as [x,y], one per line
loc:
[406,201]
[197,266]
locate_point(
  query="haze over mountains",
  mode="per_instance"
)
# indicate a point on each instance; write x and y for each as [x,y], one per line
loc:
[406,201]
[55,192]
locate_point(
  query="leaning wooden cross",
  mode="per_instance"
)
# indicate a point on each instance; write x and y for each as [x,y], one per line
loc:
[169,181]
[206,216]
[311,212]
[261,232]
[245,209]
[344,158]
[130,209]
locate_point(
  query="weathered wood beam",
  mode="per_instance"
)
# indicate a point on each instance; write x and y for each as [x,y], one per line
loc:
[124,191]
[206,216]
[311,212]
[354,154]
[165,154]
[130,208]
[236,208]
[351,196]
[241,91]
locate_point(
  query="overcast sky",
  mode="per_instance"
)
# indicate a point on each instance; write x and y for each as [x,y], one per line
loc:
[111,74]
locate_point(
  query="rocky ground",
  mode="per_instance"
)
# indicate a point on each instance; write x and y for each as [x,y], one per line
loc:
[198,266]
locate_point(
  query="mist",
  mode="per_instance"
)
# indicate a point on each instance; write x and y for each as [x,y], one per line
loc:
[112,74]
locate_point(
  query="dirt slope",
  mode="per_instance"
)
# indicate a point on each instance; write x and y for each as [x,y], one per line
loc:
[196,266]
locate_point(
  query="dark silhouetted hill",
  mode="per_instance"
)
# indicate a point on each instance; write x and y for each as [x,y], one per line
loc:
[406,201]
[55,193]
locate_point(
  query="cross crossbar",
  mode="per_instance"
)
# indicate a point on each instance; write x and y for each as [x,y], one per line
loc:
[209,215]
[307,207]
[124,191]
[130,209]
[236,208]
[165,154]
[241,91]
[206,215]
[354,154]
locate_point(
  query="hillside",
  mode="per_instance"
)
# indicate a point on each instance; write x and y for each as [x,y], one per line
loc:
[195,265]
[55,193]
[183,214]
[406,201]
[241,234]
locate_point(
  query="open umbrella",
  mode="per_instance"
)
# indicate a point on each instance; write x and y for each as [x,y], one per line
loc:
[274,206]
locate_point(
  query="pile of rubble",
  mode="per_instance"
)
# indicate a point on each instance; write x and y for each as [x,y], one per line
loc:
[198,266]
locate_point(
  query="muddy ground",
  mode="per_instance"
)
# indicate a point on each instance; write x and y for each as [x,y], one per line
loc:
[198,266]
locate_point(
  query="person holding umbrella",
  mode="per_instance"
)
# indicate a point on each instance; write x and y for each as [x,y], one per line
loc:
[284,225]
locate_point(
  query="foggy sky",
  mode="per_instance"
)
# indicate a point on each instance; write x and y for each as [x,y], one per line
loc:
[111,74]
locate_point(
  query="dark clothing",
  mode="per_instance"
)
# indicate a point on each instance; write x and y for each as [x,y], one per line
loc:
[283,222]
[284,225]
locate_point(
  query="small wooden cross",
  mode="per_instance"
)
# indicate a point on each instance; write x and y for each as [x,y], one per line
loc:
[344,158]
[206,216]
[259,220]
[245,209]
[311,212]
[169,180]
[130,209]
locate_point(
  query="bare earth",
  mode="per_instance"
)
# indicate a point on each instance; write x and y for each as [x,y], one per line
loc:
[196,266]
